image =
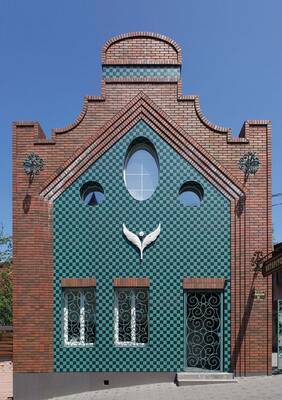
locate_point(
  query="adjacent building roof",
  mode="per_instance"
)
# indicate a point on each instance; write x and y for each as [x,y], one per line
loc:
[274,264]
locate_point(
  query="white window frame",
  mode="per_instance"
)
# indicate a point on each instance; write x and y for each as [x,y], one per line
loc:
[150,149]
[133,320]
[81,342]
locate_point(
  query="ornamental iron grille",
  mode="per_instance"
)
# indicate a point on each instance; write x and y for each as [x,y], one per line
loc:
[131,317]
[204,330]
[249,163]
[79,316]
[33,164]
[279,336]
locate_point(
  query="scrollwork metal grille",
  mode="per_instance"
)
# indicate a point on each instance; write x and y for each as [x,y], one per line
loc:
[79,316]
[33,164]
[203,324]
[131,317]
[249,163]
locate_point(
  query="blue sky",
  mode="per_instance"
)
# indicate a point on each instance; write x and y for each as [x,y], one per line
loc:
[50,59]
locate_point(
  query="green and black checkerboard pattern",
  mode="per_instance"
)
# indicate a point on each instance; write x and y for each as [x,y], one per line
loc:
[193,242]
[116,71]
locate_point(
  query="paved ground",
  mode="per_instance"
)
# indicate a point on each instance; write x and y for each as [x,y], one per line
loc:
[265,388]
[6,379]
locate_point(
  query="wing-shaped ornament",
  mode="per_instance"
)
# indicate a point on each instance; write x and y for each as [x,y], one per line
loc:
[134,239]
[150,238]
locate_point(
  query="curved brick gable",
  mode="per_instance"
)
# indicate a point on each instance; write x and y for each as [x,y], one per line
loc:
[141,48]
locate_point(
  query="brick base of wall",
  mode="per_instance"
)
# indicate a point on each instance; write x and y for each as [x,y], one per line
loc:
[41,386]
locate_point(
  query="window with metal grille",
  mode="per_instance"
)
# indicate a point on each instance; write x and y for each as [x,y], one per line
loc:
[79,316]
[131,317]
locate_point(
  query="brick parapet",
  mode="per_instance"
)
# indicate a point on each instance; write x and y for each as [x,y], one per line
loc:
[141,48]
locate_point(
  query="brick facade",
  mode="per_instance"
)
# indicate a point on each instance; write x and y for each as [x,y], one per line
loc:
[178,120]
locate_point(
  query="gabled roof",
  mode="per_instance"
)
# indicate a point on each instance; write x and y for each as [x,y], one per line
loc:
[142,108]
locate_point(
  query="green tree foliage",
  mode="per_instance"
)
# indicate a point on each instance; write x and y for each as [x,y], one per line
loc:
[5,247]
[5,279]
[6,297]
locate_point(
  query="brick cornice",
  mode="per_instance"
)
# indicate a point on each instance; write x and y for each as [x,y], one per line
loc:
[141,107]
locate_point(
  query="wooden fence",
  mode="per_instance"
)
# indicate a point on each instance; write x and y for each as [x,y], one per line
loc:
[6,342]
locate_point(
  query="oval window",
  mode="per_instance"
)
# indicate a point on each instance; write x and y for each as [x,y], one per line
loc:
[92,193]
[191,194]
[141,169]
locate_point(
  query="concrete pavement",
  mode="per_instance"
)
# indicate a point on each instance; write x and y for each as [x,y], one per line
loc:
[6,379]
[252,388]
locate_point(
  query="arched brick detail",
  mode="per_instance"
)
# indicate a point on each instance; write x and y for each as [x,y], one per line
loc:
[141,48]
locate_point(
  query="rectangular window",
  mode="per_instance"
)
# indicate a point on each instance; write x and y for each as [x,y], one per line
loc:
[131,316]
[79,308]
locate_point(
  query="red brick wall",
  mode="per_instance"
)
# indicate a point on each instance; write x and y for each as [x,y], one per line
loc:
[6,342]
[251,230]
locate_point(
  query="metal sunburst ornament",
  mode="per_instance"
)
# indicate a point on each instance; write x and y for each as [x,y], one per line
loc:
[249,163]
[33,164]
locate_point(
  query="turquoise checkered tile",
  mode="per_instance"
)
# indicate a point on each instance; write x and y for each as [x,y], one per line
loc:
[156,71]
[88,241]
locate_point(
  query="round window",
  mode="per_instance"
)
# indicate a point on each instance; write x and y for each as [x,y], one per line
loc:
[141,169]
[191,194]
[92,193]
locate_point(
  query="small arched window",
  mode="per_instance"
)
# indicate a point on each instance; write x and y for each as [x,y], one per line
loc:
[141,169]
[92,193]
[191,194]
